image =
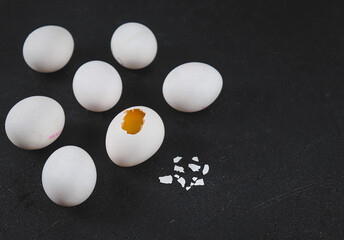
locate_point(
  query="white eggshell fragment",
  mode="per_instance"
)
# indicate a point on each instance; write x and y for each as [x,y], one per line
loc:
[194,167]
[166,179]
[134,135]
[69,176]
[177,159]
[178,169]
[97,86]
[134,45]
[192,86]
[199,182]
[34,122]
[181,180]
[48,48]
[205,169]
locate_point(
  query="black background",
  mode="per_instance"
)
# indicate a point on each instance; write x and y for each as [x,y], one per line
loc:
[273,138]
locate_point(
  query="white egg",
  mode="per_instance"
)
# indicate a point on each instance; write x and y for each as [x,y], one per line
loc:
[48,48]
[134,45]
[192,86]
[34,122]
[134,135]
[69,176]
[97,86]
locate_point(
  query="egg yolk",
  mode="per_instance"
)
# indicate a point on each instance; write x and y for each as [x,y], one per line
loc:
[133,121]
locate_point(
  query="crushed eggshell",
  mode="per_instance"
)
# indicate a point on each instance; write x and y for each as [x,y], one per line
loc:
[187,184]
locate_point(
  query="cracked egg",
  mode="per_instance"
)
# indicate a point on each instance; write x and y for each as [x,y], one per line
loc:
[134,136]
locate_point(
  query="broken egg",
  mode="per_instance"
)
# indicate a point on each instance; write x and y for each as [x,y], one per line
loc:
[134,135]
[192,86]
[34,122]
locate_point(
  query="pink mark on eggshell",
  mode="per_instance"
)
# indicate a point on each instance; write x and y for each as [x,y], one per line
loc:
[55,135]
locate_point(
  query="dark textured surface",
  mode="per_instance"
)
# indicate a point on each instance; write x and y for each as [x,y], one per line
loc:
[273,139]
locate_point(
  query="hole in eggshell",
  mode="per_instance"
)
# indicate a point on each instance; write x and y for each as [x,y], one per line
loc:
[133,121]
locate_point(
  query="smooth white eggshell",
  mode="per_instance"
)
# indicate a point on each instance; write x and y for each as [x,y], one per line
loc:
[128,150]
[192,86]
[48,48]
[134,45]
[97,86]
[34,122]
[69,176]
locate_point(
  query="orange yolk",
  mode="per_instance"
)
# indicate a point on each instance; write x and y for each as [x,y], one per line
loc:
[133,121]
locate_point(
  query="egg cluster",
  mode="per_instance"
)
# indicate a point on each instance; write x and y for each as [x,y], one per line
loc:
[133,136]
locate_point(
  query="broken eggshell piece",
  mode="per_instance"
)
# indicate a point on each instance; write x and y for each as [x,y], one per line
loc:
[166,179]
[134,135]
